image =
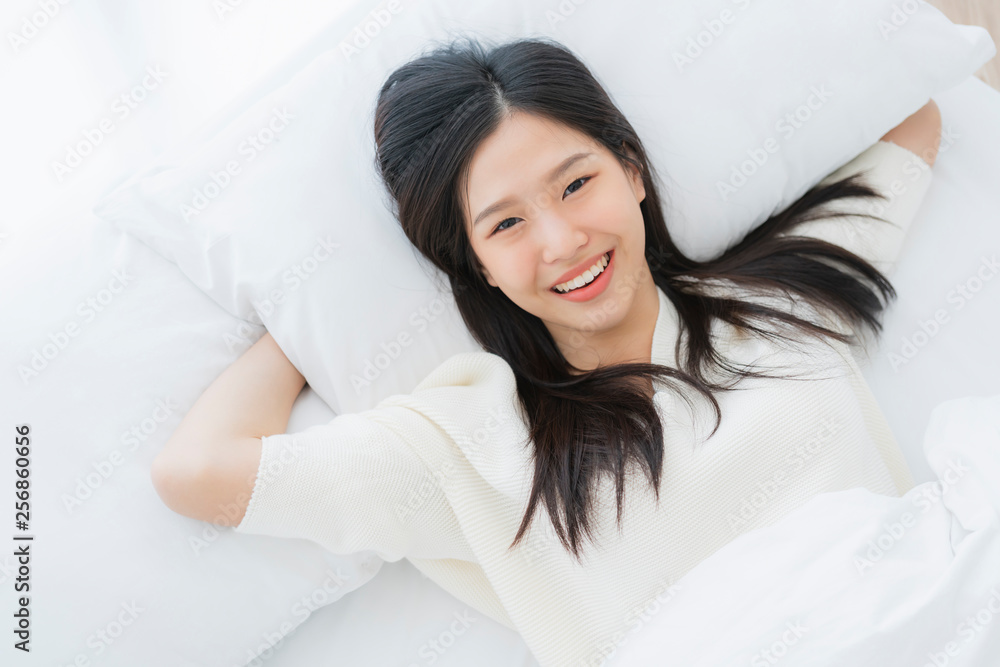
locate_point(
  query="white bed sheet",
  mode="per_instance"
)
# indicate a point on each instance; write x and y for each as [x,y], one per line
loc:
[394,619]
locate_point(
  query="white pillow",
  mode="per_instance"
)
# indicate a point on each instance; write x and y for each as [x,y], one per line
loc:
[285,203]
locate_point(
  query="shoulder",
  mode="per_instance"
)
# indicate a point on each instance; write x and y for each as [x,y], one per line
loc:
[470,373]
[472,403]
[465,390]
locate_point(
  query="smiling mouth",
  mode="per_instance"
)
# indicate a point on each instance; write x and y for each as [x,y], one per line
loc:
[571,286]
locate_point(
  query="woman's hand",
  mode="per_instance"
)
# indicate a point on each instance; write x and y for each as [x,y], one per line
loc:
[920,133]
[211,460]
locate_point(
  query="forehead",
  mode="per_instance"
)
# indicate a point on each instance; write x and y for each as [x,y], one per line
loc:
[518,156]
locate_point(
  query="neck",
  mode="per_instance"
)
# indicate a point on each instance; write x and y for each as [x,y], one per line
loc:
[630,340]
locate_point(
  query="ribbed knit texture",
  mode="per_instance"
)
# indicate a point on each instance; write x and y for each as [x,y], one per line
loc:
[441,476]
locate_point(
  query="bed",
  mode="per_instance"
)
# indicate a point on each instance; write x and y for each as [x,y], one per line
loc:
[146,338]
[958,228]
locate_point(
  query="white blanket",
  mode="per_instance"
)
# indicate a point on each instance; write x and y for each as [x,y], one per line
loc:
[853,578]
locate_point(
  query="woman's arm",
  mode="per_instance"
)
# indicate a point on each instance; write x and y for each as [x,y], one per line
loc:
[208,467]
[920,133]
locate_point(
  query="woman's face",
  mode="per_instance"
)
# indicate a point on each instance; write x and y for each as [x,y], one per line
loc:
[564,202]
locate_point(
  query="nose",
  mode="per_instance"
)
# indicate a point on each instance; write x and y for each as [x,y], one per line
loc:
[559,237]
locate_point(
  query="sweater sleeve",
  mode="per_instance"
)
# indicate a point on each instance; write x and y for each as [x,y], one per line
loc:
[895,172]
[354,484]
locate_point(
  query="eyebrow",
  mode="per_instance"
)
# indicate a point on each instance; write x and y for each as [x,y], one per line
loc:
[553,175]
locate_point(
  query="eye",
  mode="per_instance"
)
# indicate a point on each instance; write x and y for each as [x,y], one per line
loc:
[500,227]
[584,179]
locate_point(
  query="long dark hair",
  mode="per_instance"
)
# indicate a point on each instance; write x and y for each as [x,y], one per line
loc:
[433,113]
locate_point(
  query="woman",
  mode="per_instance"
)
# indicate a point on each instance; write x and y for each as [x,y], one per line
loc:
[515,174]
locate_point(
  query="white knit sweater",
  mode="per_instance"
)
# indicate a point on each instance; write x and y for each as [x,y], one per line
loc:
[441,476]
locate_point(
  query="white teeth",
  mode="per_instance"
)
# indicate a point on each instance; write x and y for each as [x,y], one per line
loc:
[586,277]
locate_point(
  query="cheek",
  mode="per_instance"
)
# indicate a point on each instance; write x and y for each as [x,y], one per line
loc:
[519,271]
[614,213]
[504,266]
[515,269]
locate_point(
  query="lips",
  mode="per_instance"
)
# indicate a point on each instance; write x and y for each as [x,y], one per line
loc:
[583,266]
